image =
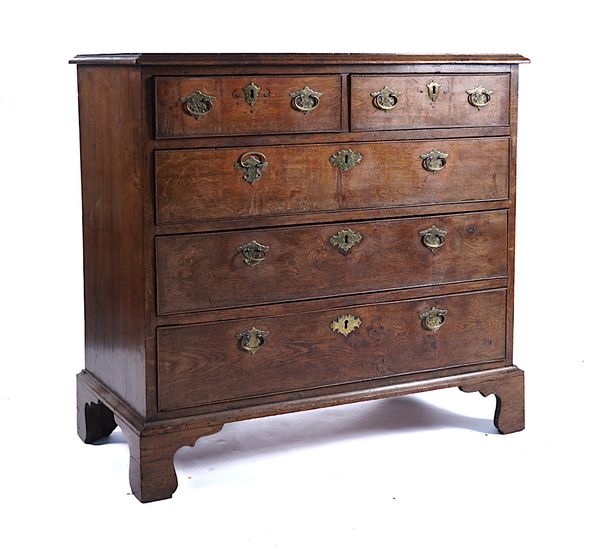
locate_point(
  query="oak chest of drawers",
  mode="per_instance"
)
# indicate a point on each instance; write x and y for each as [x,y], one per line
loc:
[273,233]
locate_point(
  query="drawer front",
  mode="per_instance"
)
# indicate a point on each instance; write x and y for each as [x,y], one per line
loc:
[231,360]
[429,101]
[234,183]
[233,105]
[240,268]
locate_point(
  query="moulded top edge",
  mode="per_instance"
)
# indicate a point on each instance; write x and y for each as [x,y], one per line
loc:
[214,59]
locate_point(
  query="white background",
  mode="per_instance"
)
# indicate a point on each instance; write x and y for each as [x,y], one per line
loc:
[424,471]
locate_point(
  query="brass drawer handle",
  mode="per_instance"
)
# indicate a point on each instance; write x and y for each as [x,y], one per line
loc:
[433,238]
[434,318]
[198,104]
[252,164]
[252,340]
[345,239]
[253,253]
[345,159]
[345,324]
[479,97]
[434,161]
[305,100]
[385,99]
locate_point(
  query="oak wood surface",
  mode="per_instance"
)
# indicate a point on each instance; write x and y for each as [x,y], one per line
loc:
[272,113]
[216,59]
[509,416]
[205,363]
[168,379]
[206,184]
[196,272]
[414,108]
[113,228]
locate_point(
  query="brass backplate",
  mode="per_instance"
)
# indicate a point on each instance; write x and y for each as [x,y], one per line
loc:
[385,99]
[433,90]
[198,104]
[252,340]
[345,159]
[345,324]
[434,318]
[305,100]
[434,160]
[251,93]
[479,97]
[345,239]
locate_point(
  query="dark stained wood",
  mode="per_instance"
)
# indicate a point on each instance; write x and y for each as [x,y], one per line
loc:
[302,306]
[205,363]
[115,333]
[209,142]
[342,216]
[514,84]
[151,470]
[216,59]
[510,400]
[206,184]
[171,378]
[301,401]
[231,115]
[94,419]
[152,475]
[414,108]
[196,272]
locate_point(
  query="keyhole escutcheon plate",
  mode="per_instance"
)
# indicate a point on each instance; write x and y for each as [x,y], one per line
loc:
[433,90]
[345,159]
[345,324]
[345,239]
[251,93]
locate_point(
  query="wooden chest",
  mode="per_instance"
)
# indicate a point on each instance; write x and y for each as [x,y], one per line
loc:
[273,233]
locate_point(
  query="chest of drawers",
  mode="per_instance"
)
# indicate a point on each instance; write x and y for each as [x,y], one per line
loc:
[273,233]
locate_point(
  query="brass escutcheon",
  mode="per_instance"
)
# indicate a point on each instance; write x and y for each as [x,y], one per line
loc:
[252,164]
[345,159]
[198,104]
[345,324]
[434,161]
[479,97]
[252,340]
[385,99]
[253,252]
[434,318]
[433,90]
[251,93]
[433,238]
[305,100]
[345,239]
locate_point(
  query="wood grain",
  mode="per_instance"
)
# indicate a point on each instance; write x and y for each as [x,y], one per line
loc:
[231,115]
[204,363]
[113,228]
[206,184]
[293,59]
[207,271]
[414,108]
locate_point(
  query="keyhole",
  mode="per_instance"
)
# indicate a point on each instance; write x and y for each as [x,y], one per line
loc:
[346,158]
[346,239]
[435,90]
[251,94]
[346,323]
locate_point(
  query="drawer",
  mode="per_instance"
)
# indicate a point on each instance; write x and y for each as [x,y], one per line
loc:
[241,105]
[429,101]
[229,183]
[240,268]
[200,364]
